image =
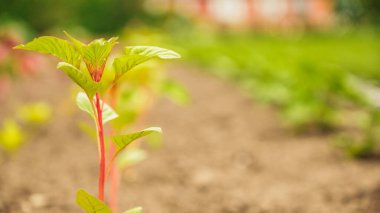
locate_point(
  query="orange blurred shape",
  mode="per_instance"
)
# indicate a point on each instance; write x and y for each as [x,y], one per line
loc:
[321,12]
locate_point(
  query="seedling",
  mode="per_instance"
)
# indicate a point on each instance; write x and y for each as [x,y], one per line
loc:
[85,64]
[132,98]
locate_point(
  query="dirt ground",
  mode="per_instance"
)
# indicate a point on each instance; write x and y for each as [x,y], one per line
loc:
[222,154]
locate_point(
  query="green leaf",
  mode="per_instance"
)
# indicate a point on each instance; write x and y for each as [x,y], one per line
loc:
[94,54]
[134,210]
[108,113]
[80,78]
[84,104]
[76,42]
[91,204]
[122,141]
[131,157]
[53,46]
[136,55]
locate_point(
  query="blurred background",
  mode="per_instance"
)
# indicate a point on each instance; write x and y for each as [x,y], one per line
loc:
[273,102]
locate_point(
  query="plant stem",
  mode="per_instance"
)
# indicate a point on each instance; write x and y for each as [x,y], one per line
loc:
[102,158]
[114,183]
[114,173]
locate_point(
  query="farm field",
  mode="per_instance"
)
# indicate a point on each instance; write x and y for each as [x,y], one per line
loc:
[176,106]
[243,162]
[312,77]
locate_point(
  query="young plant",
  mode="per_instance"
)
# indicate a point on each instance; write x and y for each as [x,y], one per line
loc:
[85,64]
[133,99]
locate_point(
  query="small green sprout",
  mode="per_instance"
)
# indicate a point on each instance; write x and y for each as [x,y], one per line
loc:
[85,64]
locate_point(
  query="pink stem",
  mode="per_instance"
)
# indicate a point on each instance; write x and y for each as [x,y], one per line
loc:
[114,183]
[102,162]
[114,173]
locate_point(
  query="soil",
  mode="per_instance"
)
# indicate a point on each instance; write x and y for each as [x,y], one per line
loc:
[222,154]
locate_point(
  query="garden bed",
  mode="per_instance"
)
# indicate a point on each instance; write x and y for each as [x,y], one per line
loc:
[222,154]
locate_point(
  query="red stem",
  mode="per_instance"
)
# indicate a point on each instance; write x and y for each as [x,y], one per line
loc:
[102,162]
[114,173]
[114,183]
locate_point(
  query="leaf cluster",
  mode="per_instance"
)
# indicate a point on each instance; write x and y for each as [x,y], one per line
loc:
[94,56]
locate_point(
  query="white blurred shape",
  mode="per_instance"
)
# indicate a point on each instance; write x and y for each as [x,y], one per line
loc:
[228,11]
[300,7]
[272,10]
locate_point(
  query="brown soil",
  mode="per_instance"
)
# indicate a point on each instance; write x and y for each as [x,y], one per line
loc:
[222,154]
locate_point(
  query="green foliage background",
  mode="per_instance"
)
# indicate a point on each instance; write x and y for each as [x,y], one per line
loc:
[97,16]
[109,16]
